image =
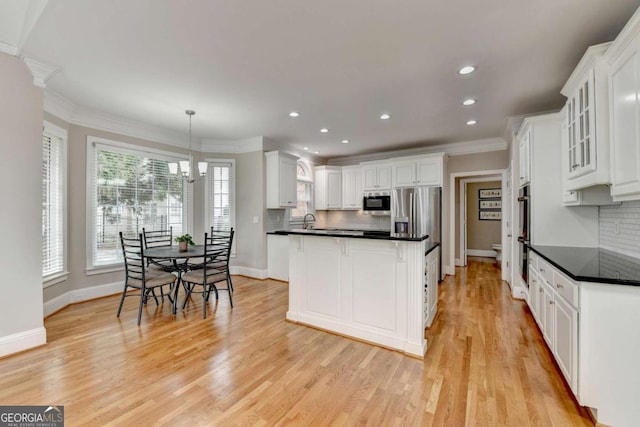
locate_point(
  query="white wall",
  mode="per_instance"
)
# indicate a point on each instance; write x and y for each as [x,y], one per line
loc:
[21,324]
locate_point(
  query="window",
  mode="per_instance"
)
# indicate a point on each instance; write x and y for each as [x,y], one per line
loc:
[54,153]
[130,187]
[220,191]
[305,193]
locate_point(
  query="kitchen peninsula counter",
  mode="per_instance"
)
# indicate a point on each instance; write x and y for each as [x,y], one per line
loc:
[367,285]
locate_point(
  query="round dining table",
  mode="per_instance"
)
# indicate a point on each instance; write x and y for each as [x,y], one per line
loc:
[179,259]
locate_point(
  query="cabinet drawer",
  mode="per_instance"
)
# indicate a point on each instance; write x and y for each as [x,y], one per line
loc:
[566,288]
[546,271]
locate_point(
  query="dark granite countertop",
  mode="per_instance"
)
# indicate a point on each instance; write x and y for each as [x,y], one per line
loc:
[430,247]
[592,264]
[358,234]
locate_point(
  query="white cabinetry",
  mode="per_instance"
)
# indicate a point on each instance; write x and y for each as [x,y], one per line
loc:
[524,143]
[554,303]
[351,187]
[587,122]
[328,187]
[624,92]
[423,171]
[376,176]
[281,183]
[431,275]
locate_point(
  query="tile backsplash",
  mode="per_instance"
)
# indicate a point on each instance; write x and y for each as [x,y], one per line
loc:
[620,228]
[278,219]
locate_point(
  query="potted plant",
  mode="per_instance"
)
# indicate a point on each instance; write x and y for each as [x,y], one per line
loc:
[183,241]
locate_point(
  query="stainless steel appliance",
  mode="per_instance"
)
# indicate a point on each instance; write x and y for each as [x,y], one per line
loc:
[524,205]
[418,212]
[377,203]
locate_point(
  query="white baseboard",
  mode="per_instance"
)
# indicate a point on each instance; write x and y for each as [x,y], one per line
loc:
[480,252]
[519,292]
[458,262]
[449,269]
[22,341]
[79,295]
[249,272]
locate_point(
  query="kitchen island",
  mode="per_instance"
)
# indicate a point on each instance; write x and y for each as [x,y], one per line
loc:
[374,286]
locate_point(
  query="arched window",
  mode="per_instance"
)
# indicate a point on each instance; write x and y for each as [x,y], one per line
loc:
[305,192]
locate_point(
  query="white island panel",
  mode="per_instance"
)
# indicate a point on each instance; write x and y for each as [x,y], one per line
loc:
[370,289]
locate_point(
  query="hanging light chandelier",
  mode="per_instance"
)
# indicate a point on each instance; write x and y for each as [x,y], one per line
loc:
[185,167]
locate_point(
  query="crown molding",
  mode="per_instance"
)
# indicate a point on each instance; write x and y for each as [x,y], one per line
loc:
[451,149]
[588,61]
[233,146]
[8,49]
[41,71]
[63,108]
[628,34]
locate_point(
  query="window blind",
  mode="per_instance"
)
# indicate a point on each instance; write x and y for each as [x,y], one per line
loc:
[52,205]
[132,190]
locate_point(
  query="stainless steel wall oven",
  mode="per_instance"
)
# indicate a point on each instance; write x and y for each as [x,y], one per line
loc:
[524,205]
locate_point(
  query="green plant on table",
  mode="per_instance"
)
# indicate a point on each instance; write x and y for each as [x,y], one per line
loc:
[185,238]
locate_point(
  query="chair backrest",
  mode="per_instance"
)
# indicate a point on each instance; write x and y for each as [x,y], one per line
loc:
[222,235]
[133,252]
[156,238]
[217,250]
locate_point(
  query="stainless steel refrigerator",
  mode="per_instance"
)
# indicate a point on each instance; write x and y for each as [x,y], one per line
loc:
[416,212]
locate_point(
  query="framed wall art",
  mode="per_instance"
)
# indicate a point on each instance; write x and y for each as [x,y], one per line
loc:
[490,193]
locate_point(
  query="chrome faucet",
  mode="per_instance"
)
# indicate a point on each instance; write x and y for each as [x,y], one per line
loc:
[305,222]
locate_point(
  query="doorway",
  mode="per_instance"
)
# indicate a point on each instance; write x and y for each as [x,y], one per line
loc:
[480,218]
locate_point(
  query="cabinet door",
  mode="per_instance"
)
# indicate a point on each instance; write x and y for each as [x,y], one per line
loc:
[370,176]
[624,92]
[429,172]
[352,188]
[548,323]
[433,286]
[384,177]
[404,174]
[532,299]
[334,189]
[288,182]
[565,336]
[582,125]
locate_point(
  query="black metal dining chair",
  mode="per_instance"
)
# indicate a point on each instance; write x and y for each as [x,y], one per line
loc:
[138,277]
[217,235]
[214,270]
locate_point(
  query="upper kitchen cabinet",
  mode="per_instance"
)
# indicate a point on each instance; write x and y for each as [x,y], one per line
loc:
[524,144]
[624,95]
[376,176]
[587,118]
[418,171]
[328,187]
[351,187]
[281,174]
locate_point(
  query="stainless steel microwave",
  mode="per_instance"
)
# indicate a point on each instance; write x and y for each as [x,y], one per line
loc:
[378,203]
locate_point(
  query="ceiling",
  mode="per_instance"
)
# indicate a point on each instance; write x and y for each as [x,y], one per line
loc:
[243,65]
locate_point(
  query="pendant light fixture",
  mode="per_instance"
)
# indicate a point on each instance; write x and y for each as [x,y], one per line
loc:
[185,168]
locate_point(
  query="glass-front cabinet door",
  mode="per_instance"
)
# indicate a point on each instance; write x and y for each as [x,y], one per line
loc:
[581,129]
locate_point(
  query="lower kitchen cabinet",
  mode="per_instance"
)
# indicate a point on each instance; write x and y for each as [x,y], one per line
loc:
[565,342]
[553,301]
[278,257]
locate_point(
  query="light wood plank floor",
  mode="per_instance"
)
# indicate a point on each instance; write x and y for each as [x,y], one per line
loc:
[486,365]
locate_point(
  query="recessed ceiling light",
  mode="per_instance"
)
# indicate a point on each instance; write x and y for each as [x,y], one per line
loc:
[316,152]
[324,130]
[345,141]
[467,70]
[385,116]
[294,114]
[471,122]
[306,148]
[469,101]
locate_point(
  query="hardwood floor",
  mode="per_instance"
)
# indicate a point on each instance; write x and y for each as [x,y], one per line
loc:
[486,365]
